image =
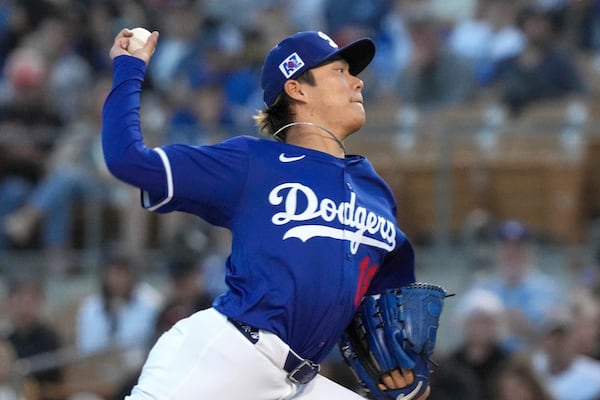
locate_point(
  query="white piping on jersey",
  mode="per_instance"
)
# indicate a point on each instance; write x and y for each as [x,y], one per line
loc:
[169,174]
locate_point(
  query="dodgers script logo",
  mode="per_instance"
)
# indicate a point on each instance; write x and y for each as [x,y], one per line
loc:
[358,220]
[291,64]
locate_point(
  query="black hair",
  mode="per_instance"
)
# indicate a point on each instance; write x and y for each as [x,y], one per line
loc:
[279,113]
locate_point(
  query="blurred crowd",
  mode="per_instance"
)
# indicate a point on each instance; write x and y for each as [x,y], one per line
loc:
[520,334]
[523,332]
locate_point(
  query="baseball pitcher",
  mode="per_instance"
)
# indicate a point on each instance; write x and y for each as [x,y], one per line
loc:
[317,260]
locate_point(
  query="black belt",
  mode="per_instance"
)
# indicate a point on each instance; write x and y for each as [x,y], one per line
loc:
[300,370]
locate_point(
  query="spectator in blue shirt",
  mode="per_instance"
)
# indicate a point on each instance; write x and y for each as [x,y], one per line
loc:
[527,294]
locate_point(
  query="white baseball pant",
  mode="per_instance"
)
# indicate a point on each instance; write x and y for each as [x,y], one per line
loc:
[205,357]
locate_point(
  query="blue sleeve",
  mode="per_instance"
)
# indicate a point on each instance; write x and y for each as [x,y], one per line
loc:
[203,180]
[397,269]
[207,181]
[125,154]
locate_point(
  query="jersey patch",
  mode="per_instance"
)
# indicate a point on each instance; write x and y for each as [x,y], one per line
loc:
[291,64]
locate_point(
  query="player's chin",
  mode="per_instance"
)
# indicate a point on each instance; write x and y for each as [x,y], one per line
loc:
[354,129]
[359,120]
[354,118]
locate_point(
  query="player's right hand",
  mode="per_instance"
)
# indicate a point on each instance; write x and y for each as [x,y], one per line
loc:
[398,379]
[121,43]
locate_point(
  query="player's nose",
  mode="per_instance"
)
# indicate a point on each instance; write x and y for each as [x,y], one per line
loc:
[358,84]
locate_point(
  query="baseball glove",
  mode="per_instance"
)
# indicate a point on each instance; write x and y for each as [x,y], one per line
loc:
[393,330]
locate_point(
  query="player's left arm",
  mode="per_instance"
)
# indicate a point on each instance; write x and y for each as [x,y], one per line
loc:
[390,341]
[400,319]
[396,270]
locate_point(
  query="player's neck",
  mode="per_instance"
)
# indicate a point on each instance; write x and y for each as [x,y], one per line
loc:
[315,137]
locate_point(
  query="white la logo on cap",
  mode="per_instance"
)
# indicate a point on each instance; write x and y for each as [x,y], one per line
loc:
[291,64]
[330,40]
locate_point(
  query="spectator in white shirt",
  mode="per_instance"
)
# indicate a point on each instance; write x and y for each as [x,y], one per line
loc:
[121,313]
[566,372]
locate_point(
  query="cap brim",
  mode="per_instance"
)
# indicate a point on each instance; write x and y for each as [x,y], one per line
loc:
[358,54]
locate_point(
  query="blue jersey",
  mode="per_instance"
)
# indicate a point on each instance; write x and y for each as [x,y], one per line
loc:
[311,233]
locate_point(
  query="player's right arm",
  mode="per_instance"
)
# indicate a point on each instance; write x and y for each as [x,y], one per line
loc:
[125,154]
[165,174]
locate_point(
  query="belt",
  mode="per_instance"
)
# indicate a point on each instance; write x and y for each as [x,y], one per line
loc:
[300,371]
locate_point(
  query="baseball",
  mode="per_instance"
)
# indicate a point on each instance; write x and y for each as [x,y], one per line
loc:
[138,40]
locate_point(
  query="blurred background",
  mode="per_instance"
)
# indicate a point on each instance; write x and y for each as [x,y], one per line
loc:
[481,115]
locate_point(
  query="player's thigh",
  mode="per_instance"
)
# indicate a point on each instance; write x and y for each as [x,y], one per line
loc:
[324,388]
[204,357]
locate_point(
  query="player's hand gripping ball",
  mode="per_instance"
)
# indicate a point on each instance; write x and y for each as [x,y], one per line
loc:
[394,330]
[138,40]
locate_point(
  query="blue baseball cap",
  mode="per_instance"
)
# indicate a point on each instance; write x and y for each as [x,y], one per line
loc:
[305,50]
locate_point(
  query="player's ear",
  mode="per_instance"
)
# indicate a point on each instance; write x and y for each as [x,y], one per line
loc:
[293,88]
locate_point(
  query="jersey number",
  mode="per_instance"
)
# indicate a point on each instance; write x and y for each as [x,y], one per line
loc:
[366,273]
